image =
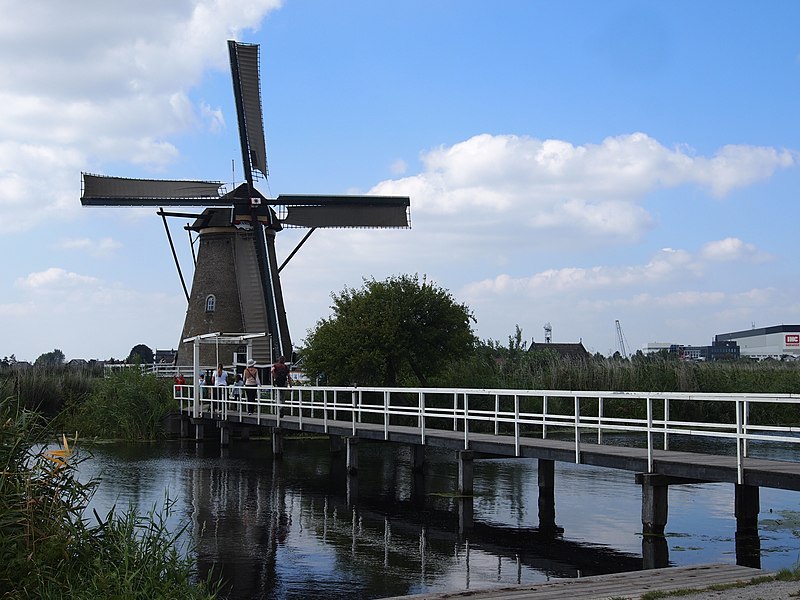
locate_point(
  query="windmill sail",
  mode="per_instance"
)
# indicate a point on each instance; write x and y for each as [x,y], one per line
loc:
[120,191]
[347,214]
[247,86]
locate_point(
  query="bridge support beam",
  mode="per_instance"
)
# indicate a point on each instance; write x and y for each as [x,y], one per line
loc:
[747,505]
[336,443]
[654,502]
[417,457]
[351,445]
[465,472]
[465,514]
[185,428]
[352,489]
[224,433]
[199,432]
[277,442]
[547,497]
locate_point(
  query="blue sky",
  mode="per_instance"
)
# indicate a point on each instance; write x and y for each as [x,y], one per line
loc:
[567,162]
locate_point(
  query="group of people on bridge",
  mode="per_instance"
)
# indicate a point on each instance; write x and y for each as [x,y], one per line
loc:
[249,379]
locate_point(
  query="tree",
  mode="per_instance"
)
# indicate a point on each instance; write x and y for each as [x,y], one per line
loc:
[50,359]
[141,354]
[401,329]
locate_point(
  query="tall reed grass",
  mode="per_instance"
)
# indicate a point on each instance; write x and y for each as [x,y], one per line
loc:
[49,549]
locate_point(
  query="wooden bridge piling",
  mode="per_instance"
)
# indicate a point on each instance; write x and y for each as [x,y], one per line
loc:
[277,442]
[547,497]
[351,444]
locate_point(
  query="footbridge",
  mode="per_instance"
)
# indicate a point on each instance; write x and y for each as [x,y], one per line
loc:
[662,438]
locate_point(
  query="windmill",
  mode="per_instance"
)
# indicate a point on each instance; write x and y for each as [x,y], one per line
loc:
[236,284]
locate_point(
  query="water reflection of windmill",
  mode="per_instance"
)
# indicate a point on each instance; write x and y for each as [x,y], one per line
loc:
[236,284]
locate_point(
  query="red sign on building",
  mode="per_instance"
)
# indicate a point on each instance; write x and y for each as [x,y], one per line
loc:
[792,339]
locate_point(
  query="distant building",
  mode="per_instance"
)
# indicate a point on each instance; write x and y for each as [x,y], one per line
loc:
[563,350]
[164,356]
[654,347]
[777,341]
[718,350]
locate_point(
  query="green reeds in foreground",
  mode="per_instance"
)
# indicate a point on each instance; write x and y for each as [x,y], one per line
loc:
[49,549]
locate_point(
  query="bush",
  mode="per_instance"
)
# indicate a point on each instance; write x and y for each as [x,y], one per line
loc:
[127,405]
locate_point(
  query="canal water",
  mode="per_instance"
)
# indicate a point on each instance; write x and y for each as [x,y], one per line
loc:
[299,527]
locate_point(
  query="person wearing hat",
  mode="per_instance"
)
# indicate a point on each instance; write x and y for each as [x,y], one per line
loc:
[251,382]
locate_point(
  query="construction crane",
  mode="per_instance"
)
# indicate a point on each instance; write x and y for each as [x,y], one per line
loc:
[623,345]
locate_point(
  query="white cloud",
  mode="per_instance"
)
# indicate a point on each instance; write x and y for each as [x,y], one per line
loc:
[666,265]
[591,190]
[74,312]
[399,167]
[94,88]
[102,248]
[732,249]
[53,279]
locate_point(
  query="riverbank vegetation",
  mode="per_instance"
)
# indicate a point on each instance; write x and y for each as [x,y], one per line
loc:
[125,405]
[51,548]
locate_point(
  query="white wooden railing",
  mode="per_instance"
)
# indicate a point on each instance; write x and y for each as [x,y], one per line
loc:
[518,413]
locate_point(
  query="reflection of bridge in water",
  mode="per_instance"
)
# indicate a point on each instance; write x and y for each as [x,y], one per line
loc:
[550,426]
[243,519]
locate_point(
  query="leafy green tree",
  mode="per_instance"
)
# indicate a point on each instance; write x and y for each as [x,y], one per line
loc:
[51,359]
[402,329]
[141,354]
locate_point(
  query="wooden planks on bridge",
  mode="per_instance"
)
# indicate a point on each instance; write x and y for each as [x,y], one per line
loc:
[616,585]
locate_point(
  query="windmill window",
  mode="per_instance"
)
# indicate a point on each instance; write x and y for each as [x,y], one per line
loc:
[211,303]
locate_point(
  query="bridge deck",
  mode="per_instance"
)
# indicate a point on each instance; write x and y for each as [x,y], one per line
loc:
[682,465]
[617,585]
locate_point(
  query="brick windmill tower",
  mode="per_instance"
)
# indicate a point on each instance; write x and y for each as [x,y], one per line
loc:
[236,286]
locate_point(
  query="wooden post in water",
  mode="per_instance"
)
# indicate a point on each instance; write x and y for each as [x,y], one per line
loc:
[417,457]
[224,433]
[277,442]
[465,472]
[351,445]
[547,498]
[746,507]
[655,552]
[465,489]
[654,502]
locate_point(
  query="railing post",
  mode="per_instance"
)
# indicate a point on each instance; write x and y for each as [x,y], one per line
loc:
[455,411]
[466,421]
[385,415]
[666,423]
[649,435]
[577,429]
[746,421]
[353,403]
[325,410]
[516,425]
[277,407]
[739,443]
[496,413]
[544,417]
[422,416]
[299,406]
[599,420]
